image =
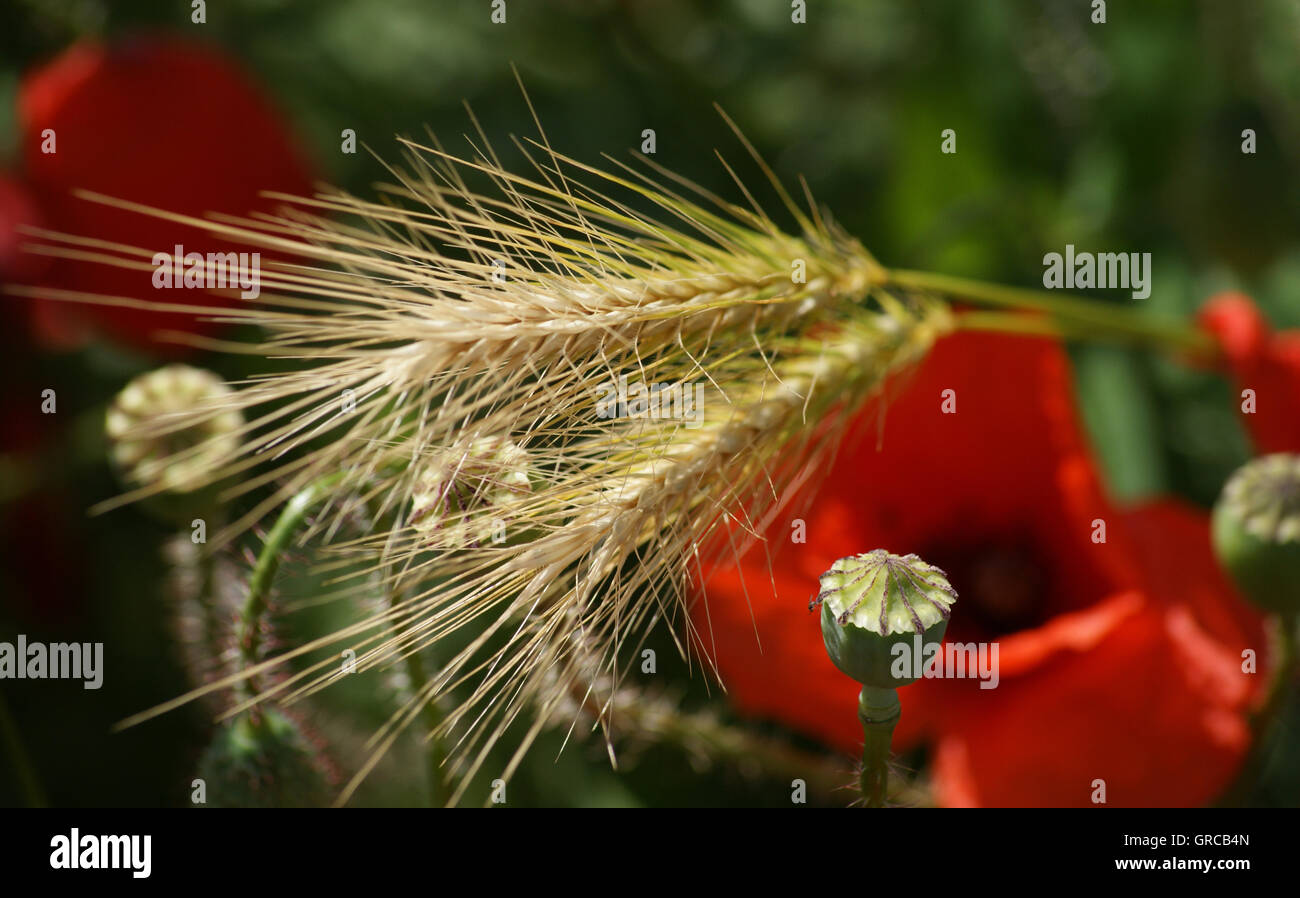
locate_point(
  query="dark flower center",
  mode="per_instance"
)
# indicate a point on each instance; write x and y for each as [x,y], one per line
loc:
[1002,588]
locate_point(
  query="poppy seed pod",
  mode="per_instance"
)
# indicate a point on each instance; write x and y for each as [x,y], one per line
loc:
[875,601]
[168,427]
[1257,531]
[166,430]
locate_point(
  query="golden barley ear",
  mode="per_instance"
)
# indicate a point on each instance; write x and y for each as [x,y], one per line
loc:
[460,417]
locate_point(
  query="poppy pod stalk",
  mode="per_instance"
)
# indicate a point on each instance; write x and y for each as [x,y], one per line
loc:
[873,607]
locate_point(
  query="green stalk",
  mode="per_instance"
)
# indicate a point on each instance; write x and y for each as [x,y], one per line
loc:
[879,710]
[268,563]
[256,604]
[1013,323]
[1081,318]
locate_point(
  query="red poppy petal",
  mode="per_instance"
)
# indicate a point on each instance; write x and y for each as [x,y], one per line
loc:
[1173,541]
[1173,674]
[1013,458]
[158,121]
[1239,327]
[1275,422]
[931,705]
[1130,711]
[1265,363]
[768,648]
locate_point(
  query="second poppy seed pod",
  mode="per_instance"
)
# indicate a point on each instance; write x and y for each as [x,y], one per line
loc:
[159,434]
[1257,531]
[167,431]
[876,601]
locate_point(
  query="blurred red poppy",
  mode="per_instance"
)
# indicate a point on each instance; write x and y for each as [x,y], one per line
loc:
[1119,661]
[1263,361]
[158,121]
[17,207]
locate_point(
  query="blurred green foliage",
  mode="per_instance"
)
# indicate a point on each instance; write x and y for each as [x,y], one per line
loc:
[1118,136]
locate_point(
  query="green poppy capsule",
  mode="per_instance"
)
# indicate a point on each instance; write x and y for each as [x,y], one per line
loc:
[873,603]
[1257,531]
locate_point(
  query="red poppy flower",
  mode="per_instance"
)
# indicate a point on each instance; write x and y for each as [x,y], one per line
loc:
[157,121]
[1118,660]
[1262,361]
[17,207]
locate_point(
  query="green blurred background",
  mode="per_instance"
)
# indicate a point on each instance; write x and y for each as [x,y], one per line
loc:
[1123,135]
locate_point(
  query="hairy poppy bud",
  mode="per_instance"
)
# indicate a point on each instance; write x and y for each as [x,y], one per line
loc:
[1257,531]
[263,761]
[874,601]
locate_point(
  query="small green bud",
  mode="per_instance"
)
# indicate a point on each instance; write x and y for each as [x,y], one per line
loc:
[1256,530]
[874,601]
